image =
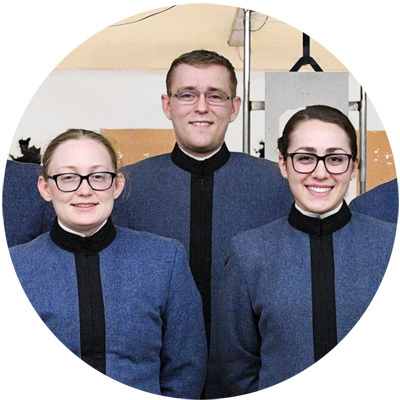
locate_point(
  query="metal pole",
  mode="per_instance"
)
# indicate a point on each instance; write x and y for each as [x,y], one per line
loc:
[363,141]
[246,81]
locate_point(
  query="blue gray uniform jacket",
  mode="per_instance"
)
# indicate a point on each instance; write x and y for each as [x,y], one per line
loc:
[203,205]
[26,215]
[262,326]
[248,192]
[381,202]
[155,338]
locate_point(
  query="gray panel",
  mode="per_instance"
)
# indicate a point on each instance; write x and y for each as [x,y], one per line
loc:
[287,92]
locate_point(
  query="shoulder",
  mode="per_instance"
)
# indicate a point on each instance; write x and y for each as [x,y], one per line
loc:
[30,256]
[148,253]
[257,173]
[371,230]
[39,243]
[380,202]
[371,223]
[249,161]
[148,163]
[380,191]
[16,168]
[266,236]
[374,223]
[146,242]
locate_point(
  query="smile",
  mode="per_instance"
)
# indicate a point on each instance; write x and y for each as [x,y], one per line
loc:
[319,189]
[201,123]
[84,205]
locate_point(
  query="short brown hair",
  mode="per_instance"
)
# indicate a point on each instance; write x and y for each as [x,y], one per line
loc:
[202,58]
[73,134]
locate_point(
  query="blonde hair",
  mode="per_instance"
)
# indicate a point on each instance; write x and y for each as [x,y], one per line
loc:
[74,134]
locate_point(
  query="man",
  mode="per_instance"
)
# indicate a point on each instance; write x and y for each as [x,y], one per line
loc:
[201,194]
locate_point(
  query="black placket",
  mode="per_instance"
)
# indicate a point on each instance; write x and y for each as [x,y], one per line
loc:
[200,256]
[323,295]
[91,311]
[90,293]
[322,274]
[201,220]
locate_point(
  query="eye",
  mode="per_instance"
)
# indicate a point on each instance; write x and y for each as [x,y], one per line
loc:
[68,178]
[187,95]
[336,159]
[305,158]
[216,96]
[98,177]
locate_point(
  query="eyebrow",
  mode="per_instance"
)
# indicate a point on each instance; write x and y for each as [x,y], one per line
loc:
[211,89]
[327,151]
[75,168]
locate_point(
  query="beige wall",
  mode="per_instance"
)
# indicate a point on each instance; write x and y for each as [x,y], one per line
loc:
[154,42]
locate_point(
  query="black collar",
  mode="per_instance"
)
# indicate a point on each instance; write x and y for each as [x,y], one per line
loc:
[86,245]
[200,168]
[320,227]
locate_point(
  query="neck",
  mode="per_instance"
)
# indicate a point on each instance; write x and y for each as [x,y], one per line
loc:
[317,226]
[205,167]
[316,215]
[75,243]
[199,158]
[69,230]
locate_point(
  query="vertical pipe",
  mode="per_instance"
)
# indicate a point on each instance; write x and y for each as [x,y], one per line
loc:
[363,141]
[246,82]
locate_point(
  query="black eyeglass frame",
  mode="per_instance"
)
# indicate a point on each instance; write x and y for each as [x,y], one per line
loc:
[197,94]
[321,158]
[82,178]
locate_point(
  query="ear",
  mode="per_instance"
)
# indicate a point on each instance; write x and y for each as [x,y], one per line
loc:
[236,102]
[43,186]
[282,165]
[119,185]
[354,169]
[165,102]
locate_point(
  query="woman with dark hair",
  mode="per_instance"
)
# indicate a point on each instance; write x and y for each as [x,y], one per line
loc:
[294,288]
[123,301]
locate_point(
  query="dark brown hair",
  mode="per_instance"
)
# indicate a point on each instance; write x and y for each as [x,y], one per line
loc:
[322,113]
[199,58]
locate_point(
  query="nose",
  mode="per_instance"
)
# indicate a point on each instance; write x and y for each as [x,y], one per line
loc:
[202,105]
[84,188]
[320,172]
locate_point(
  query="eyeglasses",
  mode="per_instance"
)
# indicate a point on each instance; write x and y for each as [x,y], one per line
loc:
[306,163]
[213,97]
[69,182]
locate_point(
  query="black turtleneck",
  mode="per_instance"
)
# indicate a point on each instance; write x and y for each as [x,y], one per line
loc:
[91,305]
[323,273]
[201,206]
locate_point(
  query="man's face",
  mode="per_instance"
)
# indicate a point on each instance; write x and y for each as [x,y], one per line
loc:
[200,127]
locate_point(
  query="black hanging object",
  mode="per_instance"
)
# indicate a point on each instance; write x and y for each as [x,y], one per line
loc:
[306,59]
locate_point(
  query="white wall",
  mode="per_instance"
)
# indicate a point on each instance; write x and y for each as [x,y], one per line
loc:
[99,100]
[125,99]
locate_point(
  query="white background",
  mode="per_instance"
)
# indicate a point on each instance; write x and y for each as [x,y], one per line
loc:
[364,36]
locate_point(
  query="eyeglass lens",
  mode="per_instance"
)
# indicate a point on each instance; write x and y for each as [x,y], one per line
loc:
[97,181]
[192,96]
[334,163]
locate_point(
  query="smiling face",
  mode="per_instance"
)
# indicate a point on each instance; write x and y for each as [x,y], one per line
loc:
[319,191]
[85,209]
[200,128]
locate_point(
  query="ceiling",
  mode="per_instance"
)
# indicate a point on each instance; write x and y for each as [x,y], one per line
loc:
[151,40]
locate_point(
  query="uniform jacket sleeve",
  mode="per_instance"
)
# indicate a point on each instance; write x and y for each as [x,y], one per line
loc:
[184,350]
[235,349]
